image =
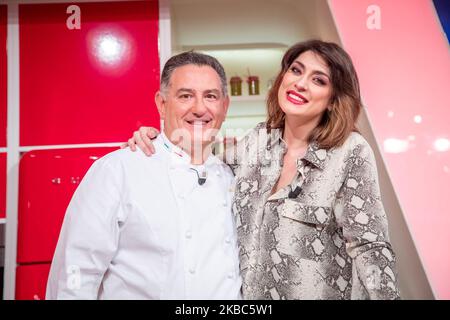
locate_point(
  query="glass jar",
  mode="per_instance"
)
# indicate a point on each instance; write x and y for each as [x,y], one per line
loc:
[253,85]
[236,86]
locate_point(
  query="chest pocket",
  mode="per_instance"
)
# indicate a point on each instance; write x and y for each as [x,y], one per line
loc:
[317,215]
[300,229]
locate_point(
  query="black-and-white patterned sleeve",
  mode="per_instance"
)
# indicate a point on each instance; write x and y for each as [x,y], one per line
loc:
[365,228]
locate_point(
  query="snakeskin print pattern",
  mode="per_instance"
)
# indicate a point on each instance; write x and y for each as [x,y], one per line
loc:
[329,241]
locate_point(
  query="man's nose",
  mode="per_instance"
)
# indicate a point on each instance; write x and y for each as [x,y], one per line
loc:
[199,107]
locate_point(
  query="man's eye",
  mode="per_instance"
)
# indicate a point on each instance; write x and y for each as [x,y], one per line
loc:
[211,97]
[185,96]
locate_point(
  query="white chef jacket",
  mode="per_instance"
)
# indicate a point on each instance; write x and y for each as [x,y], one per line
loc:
[142,227]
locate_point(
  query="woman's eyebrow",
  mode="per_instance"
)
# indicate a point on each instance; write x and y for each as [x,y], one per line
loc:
[314,71]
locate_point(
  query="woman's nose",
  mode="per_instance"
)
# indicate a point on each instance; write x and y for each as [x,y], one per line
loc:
[301,84]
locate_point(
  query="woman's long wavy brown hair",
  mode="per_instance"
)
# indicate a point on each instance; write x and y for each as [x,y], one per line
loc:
[337,123]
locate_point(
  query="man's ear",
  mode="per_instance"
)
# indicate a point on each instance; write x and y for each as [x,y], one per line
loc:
[159,100]
[226,104]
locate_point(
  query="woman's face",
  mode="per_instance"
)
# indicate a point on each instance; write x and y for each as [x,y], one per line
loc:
[305,91]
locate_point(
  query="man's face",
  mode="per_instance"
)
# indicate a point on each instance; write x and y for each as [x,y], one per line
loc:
[193,106]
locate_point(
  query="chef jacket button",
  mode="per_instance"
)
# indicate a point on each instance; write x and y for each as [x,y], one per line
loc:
[191,270]
[188,234]
[224,203]
[172,167]
[227,240]
[218,173]
[181,196]
[230,275]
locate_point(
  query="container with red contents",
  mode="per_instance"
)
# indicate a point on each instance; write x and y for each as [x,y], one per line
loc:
[253,85]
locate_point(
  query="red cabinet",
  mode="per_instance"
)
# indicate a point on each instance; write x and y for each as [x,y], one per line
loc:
[32,281]
[47,180]
[88,72]
[2,185]
[3,75]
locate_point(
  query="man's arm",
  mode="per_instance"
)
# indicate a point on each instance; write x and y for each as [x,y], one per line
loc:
[89,236]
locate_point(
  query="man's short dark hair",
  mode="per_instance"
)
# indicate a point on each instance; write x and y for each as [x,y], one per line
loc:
[195,58]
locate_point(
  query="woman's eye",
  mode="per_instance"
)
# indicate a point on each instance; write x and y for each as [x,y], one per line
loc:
[320,81]
[295,70]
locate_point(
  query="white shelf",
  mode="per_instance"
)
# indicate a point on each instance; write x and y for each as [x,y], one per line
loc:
[245,108]
[2,221]
[70,146]
[258,98]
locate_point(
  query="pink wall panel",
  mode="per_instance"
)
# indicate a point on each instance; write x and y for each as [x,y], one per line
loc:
[402,58]
[88,73]
[3,75]
[2,185]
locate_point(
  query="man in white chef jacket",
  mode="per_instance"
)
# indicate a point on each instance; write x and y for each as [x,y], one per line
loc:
[157,227]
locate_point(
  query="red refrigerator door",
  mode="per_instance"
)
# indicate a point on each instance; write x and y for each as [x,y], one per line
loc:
[31,281]
[3,77]
[47,180]
[88,72]
[2,185]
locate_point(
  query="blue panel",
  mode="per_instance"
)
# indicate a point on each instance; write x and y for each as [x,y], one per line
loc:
[443,10]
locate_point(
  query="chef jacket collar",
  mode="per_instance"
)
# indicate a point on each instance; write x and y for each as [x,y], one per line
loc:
[179,155]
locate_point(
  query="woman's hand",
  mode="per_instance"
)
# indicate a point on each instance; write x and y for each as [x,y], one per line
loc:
[143,139]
